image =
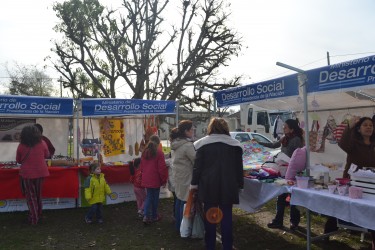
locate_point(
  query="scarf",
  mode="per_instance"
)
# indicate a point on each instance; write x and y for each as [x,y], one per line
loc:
[285,140]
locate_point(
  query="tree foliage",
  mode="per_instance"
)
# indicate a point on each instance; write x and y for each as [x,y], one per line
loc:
[29,80]
[134,47]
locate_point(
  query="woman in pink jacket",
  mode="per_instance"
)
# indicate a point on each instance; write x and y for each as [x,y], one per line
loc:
[31,154]
[154,175]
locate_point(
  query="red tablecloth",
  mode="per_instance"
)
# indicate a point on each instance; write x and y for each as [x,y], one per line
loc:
[62,183]
[113,174]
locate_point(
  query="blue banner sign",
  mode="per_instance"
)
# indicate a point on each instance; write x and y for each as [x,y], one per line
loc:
[35,106]
[350,74]
[276,88]
[106,107]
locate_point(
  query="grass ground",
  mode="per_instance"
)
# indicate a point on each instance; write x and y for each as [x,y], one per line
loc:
[65,229]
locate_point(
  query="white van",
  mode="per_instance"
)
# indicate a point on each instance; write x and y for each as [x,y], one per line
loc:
[259,120]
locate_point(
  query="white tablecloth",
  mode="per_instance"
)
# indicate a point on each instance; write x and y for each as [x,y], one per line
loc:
[256,194]
[358,211]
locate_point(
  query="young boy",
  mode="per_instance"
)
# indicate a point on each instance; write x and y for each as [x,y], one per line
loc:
[95,190]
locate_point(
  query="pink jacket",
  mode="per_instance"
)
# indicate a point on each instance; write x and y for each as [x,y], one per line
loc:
[33,165]
[154,171]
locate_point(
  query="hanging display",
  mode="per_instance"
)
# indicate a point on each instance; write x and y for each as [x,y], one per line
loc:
[112,135]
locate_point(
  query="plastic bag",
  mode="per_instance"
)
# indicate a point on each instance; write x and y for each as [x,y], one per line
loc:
[186,226]
[197,231]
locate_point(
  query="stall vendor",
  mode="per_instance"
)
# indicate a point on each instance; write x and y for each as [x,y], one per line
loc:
[358,141]
[50,146]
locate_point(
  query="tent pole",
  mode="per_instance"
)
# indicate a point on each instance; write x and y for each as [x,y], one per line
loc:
[77,117]
[177,112]
[302,80]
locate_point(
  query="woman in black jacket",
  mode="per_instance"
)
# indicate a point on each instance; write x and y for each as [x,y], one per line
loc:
[218,177]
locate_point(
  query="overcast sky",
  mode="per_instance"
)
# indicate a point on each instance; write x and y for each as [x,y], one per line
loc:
[295,32]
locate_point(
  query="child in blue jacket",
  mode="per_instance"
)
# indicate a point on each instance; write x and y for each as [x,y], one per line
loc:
[96,188]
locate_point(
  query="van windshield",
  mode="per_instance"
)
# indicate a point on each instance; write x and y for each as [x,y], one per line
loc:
[283,115]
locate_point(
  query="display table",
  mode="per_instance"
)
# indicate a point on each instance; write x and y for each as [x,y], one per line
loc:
[257,193]
[360,212]
[62,182]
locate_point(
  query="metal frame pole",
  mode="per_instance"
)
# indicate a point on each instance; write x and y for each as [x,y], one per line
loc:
[302,79]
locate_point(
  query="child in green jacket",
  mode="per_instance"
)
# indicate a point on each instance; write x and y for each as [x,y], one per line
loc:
[95,190]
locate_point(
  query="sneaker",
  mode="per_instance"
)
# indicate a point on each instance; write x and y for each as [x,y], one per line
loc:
[158,218]
[140,214]
[274,225]
[88,221]
[100,221]
[146,221]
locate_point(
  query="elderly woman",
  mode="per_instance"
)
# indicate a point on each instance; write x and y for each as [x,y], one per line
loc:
[218,177]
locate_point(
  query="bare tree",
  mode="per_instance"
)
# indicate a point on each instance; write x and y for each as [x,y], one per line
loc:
[29,80]
[135,47]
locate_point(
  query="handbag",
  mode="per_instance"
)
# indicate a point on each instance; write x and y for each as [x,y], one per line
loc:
[313,135]
[90,147]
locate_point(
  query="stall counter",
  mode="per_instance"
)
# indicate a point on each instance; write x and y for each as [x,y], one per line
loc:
[113,174]
[62,182]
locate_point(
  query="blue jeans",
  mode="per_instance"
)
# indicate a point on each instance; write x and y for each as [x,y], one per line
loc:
[179,212]
[95,209]
[151,203]
[295,216]
[226,228]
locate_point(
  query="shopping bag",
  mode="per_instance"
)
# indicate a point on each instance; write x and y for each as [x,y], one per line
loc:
[197,231]
[189,211]
[339,131]
[313,135]
[186,225]
[331,126]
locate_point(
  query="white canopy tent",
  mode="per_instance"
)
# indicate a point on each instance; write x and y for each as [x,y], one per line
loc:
[343,86]
[17,111]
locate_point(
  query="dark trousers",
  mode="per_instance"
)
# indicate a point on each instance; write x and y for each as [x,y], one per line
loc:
[179,213]
[174,203]
[97,210]
[331,225]
[151,203]
[226,228]
[281,203]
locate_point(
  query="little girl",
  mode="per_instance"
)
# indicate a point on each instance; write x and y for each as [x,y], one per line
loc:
[154,175]
[95,190]
[136,179]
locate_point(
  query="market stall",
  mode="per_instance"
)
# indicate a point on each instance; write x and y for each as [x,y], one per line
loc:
[335,90]
[114,130]
[60,189]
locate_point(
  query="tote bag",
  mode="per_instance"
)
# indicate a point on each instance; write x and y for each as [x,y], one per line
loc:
[313,135]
